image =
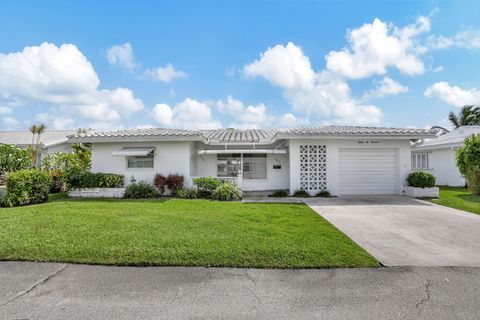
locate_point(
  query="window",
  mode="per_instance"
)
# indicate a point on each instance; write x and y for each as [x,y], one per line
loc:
[228,165]
[254,166]
[420,161]
[140,161]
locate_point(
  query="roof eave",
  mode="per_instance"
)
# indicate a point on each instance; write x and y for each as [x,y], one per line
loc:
[133,139]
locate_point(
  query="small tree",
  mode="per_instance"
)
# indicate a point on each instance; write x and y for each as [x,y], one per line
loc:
[12,159]
[468,162]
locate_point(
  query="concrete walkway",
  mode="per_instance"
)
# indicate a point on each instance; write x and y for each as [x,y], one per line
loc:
[60,291]
[401,231]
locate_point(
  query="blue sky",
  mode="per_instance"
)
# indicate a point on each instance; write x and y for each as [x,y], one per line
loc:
[244,64]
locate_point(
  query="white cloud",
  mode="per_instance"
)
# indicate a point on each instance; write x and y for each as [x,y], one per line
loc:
[56,122]
[284,66]
[62,76]
[438,69]
[290,120]
[245,117]
[453,95]
[188,114]
[166,74]
[254,117]
[386,87]
[122,56]
[324,94]
[374,47]
[468,38]
[5,110]
[10,122]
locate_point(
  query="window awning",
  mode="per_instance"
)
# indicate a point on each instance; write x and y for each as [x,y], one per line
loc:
[223,151]
[133,151]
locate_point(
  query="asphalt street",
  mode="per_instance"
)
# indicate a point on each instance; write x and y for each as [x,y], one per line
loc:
[31,290]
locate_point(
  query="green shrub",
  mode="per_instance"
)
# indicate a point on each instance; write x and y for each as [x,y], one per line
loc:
[159,181]
[174,182]
[227,192]
[26,187]
[3,200]
[323,194]
[141,190]
[58,184]
[209,184]
[186,193]
[421,179]
[95,180]
[63,162]
[12,159]
[300,193]
[468,162]
[279,194]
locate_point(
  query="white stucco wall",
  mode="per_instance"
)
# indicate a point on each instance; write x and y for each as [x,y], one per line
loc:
[169,157]
[442,166]
[276,178]
[333,146]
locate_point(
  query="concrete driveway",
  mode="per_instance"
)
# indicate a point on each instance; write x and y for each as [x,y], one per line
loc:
[401,231]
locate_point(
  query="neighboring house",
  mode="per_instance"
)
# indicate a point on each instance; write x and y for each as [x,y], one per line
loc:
[438,155]
[50,141]
[340,159]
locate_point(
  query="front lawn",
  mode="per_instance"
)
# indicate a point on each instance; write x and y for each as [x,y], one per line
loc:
[176,232]
[458,198]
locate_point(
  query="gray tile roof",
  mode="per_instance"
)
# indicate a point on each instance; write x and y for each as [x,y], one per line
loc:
[239,136]
[452,138]
[149,132]
[260,136]
[355,130]
[24,138]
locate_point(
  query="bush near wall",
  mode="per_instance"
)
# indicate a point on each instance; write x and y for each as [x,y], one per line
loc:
[26,187]
[174,182]
[12,159]
[141,190]
[421,179]
[468,162]
[95,180]
[206,185]
[160,182]
[227,192]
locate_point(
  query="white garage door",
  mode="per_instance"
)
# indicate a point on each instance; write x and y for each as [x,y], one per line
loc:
[368,171]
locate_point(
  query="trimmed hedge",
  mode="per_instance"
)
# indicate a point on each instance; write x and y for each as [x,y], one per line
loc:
[26,187]
[421,179]
[95,180]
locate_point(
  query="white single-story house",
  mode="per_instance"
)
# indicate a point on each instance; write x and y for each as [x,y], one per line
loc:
[51,141]
[437,155]
[340,159]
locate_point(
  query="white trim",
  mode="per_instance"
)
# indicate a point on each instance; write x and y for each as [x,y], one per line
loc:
[133,151]
[270,151]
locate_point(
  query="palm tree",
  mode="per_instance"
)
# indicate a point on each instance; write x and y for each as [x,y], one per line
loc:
[33,130]
[468,116]
[36,130]
[40,129]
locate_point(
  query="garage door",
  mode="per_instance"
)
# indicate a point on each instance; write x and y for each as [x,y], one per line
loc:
[368,171]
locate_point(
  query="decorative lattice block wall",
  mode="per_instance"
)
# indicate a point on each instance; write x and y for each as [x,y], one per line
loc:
[313,167]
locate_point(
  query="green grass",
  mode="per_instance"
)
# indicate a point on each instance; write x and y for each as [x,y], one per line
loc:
[176,232]
[458,198]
